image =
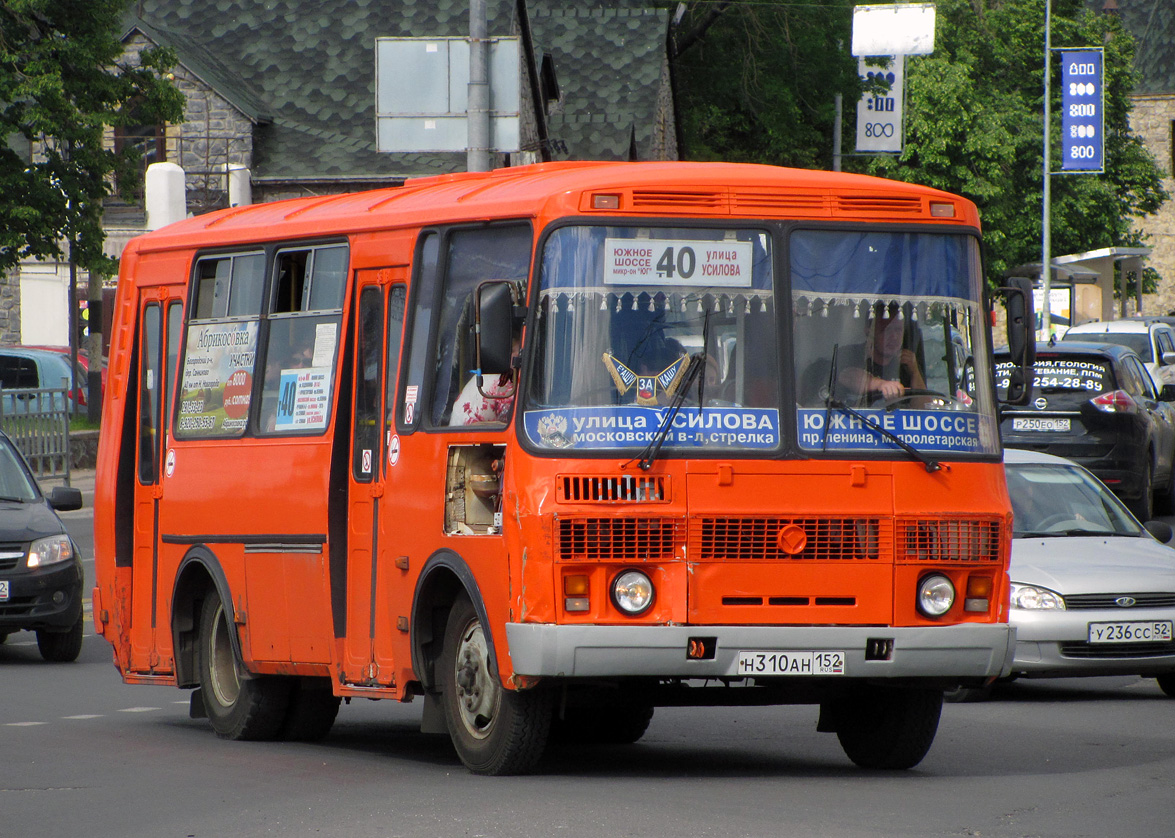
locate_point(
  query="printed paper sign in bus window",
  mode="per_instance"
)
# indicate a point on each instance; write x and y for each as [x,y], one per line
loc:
[218,379]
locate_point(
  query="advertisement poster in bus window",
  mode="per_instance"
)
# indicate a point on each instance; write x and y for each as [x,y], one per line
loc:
[217,380]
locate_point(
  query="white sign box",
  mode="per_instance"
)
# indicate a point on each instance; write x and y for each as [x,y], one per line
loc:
[900,29]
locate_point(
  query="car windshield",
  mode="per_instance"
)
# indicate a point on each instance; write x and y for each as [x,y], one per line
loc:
[14,480]
[1060,500]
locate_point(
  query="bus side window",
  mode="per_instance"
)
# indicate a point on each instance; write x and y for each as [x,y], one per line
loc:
[304,329]
[473,256]
[428,254]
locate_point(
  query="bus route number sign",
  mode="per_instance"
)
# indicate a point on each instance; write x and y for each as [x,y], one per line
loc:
[677,262]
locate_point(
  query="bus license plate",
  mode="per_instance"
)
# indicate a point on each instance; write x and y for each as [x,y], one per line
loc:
[791,663]
[1023,424]
[1158,631]
[3,590]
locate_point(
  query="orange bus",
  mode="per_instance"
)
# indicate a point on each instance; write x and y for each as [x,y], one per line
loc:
[552,446]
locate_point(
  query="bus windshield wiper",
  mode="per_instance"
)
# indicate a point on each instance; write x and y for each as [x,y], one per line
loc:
[697,363]
[873,425]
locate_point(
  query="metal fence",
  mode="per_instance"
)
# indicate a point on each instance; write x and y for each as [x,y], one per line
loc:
[37,421]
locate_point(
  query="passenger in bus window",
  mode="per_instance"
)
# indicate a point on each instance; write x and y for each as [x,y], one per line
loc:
[489,404]
[889,363]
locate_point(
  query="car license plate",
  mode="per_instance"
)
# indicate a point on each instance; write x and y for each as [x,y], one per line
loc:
[1158,631]
[1034,424]
[775,662]
[3,590]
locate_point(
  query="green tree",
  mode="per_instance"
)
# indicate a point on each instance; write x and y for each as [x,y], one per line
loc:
[61,88]
[757,82]
[973,126]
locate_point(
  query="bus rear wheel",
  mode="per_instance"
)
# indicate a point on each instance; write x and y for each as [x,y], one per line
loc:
[888,727]
[495,731]
[239,705]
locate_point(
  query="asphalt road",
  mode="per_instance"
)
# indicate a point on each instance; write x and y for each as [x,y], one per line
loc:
[83,754]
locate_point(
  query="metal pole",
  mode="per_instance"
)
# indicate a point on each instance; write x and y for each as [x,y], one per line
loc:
[836,129]
[477,154]
[1046,256]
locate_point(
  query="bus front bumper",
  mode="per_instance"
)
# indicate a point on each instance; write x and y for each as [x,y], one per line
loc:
[969,650]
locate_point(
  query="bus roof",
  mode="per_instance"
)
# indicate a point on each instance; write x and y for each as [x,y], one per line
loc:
[675,189]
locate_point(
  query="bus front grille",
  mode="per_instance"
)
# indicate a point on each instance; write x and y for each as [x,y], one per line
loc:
[742,539]
[949,540]
[618,539]
[608,488]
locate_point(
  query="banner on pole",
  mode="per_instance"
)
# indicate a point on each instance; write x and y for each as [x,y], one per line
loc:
[1082,106]
[879,118]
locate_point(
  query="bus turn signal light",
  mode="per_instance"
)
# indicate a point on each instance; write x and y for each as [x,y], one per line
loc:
[605,202]
[978,594]
[575,592]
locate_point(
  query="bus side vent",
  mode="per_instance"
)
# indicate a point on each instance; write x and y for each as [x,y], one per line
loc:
[872,204]
[743,539]
[618,539]
[624,488]
[648,199]
[949,540]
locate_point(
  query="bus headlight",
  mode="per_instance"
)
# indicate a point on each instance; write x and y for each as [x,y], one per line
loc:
[632,592]
[936,595]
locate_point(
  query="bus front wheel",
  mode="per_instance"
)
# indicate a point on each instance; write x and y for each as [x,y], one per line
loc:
[239,705]
[888,727]
[494,730]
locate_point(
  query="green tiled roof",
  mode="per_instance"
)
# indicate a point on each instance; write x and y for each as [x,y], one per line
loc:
[305,71]
[609,59]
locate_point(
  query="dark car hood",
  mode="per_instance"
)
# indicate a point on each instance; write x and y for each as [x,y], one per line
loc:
[28,521]
[1093,564]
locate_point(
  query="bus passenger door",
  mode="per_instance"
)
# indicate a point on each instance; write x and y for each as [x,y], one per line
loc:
[160,319]
[379,319]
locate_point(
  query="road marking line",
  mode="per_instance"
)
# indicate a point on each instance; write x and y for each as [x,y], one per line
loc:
[23,724]
[137,709]
[84,716]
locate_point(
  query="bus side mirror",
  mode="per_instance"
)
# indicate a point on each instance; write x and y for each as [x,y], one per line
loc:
[496,318]
[1021,340]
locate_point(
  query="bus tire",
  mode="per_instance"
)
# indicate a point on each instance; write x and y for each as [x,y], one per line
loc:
[312,711]
[888,727]
[61,646]
[239,705]
[495,731]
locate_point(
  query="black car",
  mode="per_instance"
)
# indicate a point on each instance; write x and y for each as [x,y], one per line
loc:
[40,570]
[1095,403]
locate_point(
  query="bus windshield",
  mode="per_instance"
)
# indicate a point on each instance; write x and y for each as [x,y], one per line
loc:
[888,330]
[630,319]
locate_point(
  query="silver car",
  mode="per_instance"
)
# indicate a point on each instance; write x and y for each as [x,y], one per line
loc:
[1093,591]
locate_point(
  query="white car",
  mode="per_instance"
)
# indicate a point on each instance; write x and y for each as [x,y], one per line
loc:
[1093,591]
[1153,340]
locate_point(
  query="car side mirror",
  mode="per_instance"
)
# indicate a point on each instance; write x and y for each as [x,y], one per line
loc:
[65,498]
[1161,530]
[1167,358]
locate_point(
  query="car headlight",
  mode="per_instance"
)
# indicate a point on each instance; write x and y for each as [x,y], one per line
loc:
[936,595]
[1033,598]
[632,592]
[50,550]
